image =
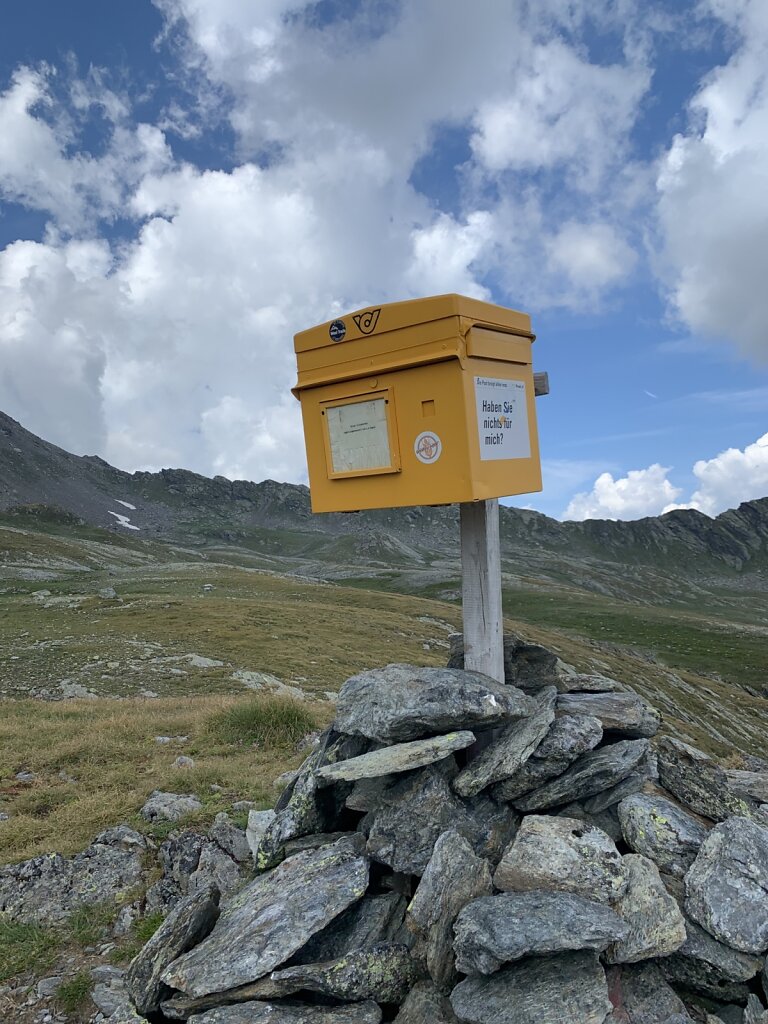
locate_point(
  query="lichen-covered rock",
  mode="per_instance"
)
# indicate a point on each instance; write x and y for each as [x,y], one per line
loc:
[593,772]
[716,957]
[169,806]
[453,877]
[562,855]
[186,925]
[404,702]
[645,771]
[625,713]
[384,974]
[656,925]
[402,757]
[507,752]
[697,781]
[494,930]
[755,1012]
[424,1004]
[48,889]
[293,1013]
[693,976]
[640,995]
[727,886]
[216,867]
[414,812]
[230,838]
[270,919]
[258,823]
[568,737]
[748,785]
[660,829]
[565,989]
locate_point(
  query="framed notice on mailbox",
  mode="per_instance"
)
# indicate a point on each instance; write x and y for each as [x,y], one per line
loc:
[361,435]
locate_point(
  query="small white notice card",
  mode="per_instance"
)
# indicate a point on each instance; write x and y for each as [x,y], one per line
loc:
[359,436]
[502,419]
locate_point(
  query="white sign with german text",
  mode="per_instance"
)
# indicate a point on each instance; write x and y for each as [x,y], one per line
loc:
[502,419]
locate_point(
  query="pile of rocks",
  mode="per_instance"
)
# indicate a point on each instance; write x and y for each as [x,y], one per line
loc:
[456,849]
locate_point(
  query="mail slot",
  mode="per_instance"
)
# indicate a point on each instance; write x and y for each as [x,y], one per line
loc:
[424,402]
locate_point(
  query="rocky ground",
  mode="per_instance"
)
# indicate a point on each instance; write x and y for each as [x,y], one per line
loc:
[452,850]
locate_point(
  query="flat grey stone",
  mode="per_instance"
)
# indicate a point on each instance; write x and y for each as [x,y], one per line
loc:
[283,1013]
[607,821]
[270,919]
[416,811]
[384,974]
[495,930]
[755,1012]
[656,924]
[697,781]
[216,867]
[593,772]
[453,877]
[508,752]
[186,925]
[593,682]
[569,736]
[169,806]
[641,995]
[727,886]
[660,829]
[565,989]
[375,919]
[402,757]
[366,794]
[230,838]
[748,785]
[646,771]
[258,823]
[562,855]
[404,702]
[625,713]
[693,976]
[715,956]
[424,1004]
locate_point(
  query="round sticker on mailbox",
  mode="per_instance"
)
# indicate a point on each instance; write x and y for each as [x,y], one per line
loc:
[428,447]
[337,330]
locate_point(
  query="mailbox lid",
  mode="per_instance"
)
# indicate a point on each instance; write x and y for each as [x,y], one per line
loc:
[396,316]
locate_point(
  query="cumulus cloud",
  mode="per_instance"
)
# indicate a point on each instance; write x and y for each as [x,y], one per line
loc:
[727,479]
[712,213]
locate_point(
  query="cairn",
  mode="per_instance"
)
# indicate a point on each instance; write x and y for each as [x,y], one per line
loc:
[460,850]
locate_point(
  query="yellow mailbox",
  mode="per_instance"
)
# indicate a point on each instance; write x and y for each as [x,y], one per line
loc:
[424,402]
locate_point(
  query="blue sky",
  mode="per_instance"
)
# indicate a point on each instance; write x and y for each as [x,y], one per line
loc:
[186,183]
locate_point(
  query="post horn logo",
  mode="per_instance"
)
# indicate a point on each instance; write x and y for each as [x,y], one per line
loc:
[366,322]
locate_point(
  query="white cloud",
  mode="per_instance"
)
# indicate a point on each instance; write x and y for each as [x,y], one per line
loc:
[593,256]
[712,183]
[642,492]
[731,477]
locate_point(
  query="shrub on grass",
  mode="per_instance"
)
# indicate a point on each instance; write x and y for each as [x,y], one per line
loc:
[264,720]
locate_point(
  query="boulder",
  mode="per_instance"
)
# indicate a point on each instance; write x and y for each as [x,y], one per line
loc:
[170,806]
[562,855]
[507,752]
[594,682]
[565,989]
[294,1013]
[727,885]
[375,919]
[607,821]
[258,823]
[645,771]
[424,1004]
[384,973]
[453,877]
[748,785]
[527,666]
[625,713]
[569,737]
[593,772]
[231,839]
[48,889]
[404,702]
[693,976]
[640,995]
[215,867]
[402,757]
[270,919]
[697,781]
[755,1013]
[656,925]
[660,829]
[414,812]
[188,923]
[494,930]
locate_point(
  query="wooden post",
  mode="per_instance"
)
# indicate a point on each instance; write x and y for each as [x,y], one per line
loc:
[481,588]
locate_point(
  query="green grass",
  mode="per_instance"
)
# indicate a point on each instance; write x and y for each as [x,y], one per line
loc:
[73,995]
[270,721]
[25,947]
